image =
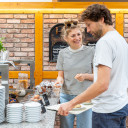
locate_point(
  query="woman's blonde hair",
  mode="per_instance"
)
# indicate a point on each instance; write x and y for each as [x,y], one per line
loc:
[68,26]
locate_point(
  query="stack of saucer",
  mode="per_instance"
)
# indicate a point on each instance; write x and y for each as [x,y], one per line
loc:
[2,103]
[32,112]
[14,113]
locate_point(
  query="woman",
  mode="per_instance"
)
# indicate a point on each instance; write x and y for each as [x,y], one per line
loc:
[75,73]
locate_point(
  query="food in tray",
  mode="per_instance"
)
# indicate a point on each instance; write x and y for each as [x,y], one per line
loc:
[78,106]
[87,103]
[36,98]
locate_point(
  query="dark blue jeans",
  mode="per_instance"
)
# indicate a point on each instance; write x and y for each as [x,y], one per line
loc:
[110,120]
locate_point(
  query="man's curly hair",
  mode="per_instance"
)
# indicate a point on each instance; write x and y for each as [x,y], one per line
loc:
[95,12]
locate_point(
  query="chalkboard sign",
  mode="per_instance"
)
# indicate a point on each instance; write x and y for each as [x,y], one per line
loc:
[56,43]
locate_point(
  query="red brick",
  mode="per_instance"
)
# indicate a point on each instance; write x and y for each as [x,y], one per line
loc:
[13,21]
[6,25]
[20,16]
[125,29]
[125,34]
[20,35]
[51,25]
[11,54]
[46,35]
[46,39]
[46,49]
[126,21]
[8,44]
[61,20]
[50,20]
[31,36]
[46,16]
[45,25]
[3,21]
[31,26]
[46,31]
[25,68]
[21,44]
[56,16]
[20,25]
[13,49]
[46,44]
[13,30]
[28,21]
[27,31]
[70,16]
[31,54]
[12,40]
[7,35]
[46,58]
[125,15]
[113,16]
[20,53]
[46,53]
[31,16]
[52,64]
[31,45]
[27,49]
[27,40]
[6,16]
[27,58]
[14,58]
[3,31]
[48,68]
[45,63]
[125,25]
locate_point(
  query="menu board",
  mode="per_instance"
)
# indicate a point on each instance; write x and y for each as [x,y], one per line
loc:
[56,42]
[56,48]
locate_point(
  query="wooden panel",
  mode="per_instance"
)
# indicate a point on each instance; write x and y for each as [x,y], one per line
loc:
[35,5]
[14,74]
[120,23]
[49,74]
[38,47]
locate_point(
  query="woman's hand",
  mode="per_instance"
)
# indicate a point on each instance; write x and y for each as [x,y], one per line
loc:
[80,77]
[65,108]
[60,78]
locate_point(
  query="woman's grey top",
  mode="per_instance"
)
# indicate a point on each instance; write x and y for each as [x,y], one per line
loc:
[73,63]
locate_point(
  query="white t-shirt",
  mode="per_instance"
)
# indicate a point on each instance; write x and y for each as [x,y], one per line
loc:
[112,51]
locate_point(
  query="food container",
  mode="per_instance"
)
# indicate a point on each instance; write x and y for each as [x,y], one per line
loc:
[23,81]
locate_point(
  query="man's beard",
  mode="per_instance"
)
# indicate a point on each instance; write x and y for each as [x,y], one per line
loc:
[98,34]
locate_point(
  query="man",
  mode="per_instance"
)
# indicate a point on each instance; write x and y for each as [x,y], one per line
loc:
[109,90]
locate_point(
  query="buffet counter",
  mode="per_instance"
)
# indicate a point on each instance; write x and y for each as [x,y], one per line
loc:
[47,120]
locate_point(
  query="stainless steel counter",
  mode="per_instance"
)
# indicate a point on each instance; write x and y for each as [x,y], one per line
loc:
[47,120]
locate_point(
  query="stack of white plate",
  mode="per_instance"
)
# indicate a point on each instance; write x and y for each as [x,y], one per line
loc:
[14,113]
[32,112]
[2,104]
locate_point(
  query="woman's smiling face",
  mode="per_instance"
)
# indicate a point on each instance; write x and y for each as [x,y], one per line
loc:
[74,38]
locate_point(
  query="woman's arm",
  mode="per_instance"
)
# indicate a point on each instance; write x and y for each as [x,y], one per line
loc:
[60,78]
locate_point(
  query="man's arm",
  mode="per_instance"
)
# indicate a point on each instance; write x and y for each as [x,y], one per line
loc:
[100,86]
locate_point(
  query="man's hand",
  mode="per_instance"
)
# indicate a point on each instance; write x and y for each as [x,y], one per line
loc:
[65,108]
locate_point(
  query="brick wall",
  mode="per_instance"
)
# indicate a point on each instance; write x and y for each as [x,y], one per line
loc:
[19,33]
[49,21]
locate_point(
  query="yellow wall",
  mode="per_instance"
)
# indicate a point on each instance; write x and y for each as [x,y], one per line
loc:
[119,8]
